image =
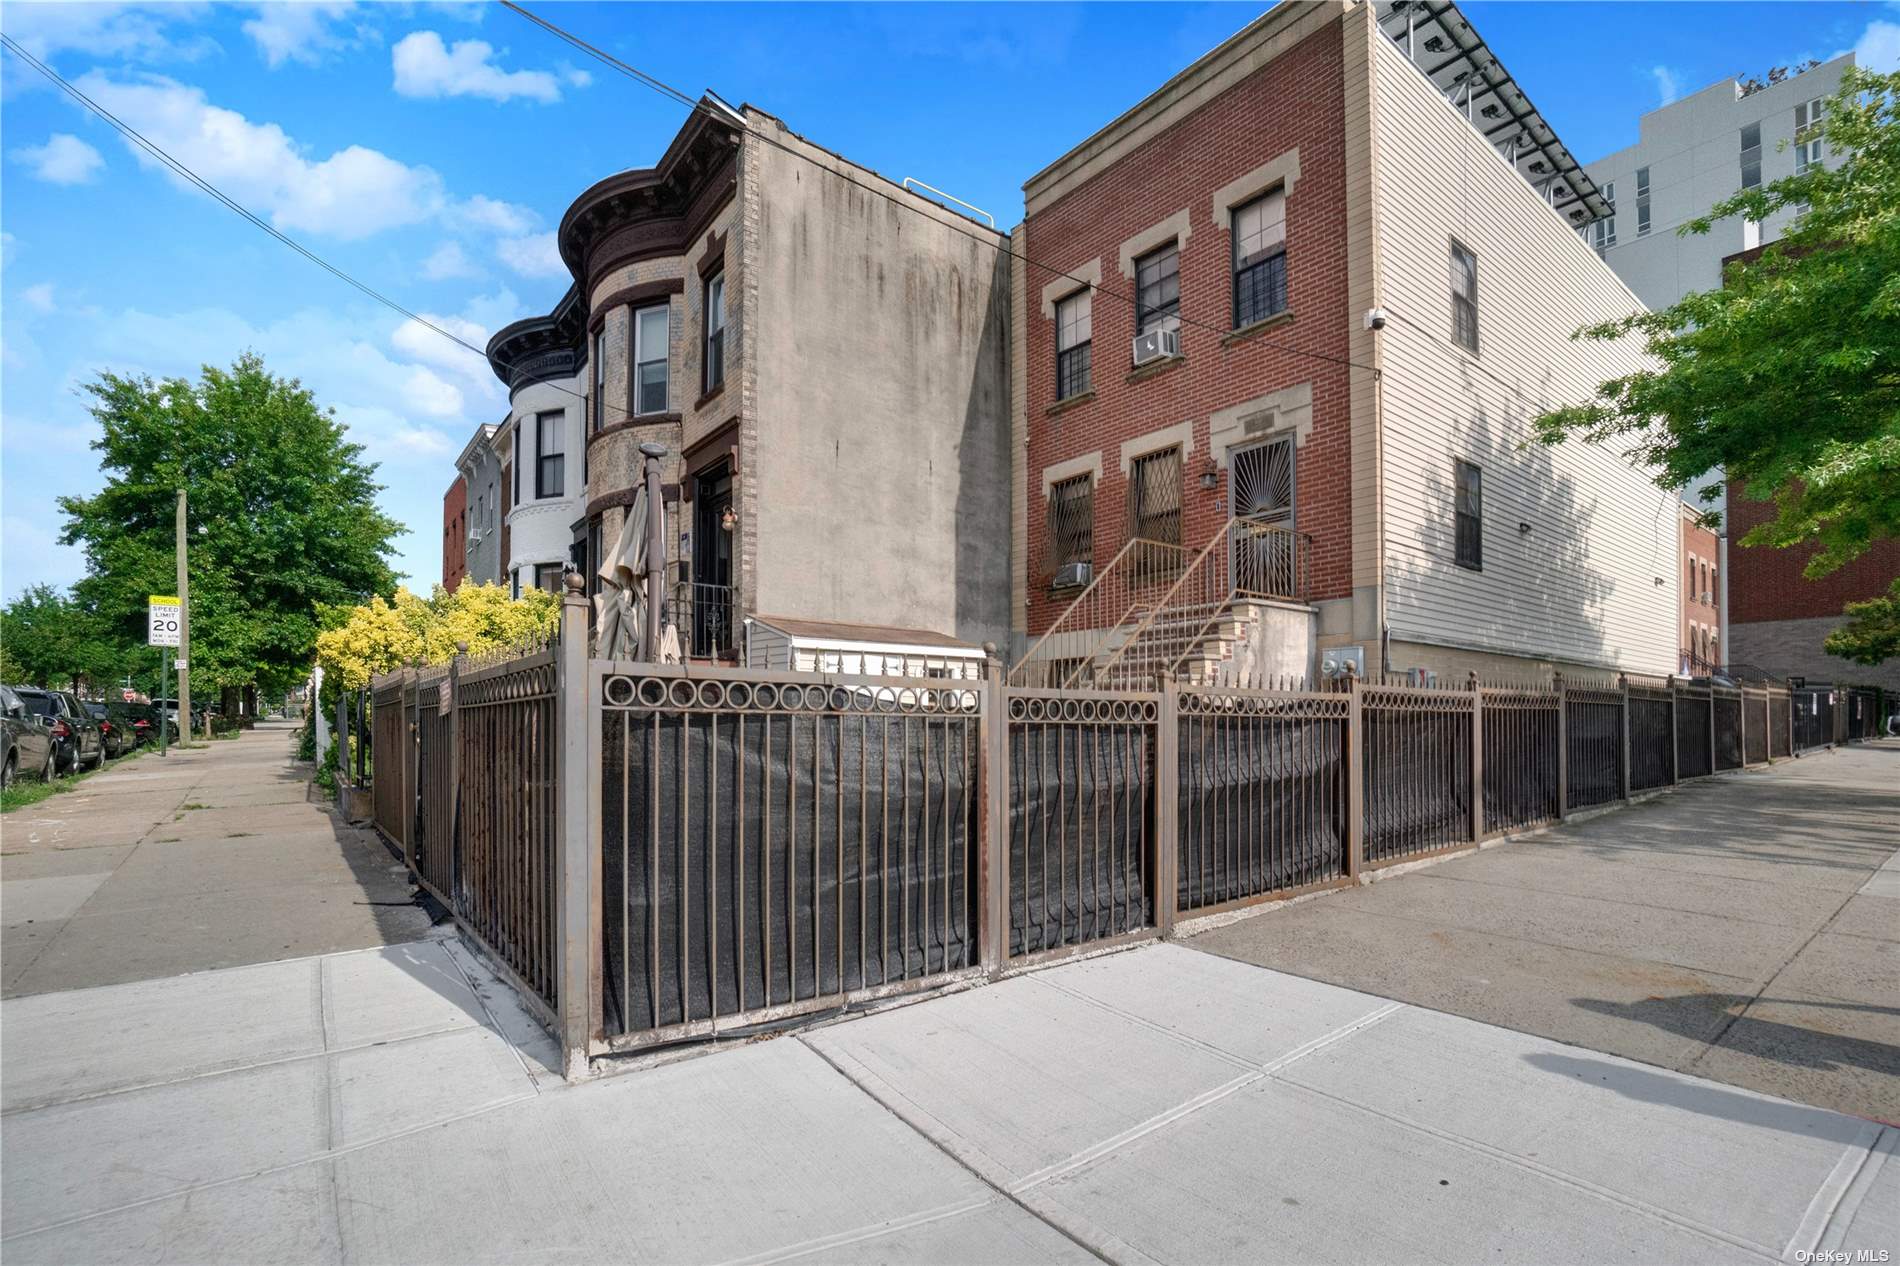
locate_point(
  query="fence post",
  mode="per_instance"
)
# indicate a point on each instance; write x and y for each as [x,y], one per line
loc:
[412,697]
[1168,805]
[1623,682]
[1563,749]
[1355,777]
[992,846]
[453,838]
[342,743]
[1477,759]
[1675,739]
[573,887]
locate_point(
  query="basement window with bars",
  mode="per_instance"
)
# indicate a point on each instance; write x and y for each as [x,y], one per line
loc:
[1260,259]
[1075,333]
[1158,289]
[1469,514]
[1464,298]
[1071,525]
[1154,497]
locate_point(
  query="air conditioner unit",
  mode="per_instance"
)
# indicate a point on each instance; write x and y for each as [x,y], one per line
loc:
[1157,344]
[1074,575]
[474,537]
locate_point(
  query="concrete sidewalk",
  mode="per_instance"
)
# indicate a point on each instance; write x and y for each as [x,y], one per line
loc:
[1745,929]
[207,857]
[1157,1105]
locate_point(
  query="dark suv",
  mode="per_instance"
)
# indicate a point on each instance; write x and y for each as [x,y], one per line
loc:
[28,742]
[77,742]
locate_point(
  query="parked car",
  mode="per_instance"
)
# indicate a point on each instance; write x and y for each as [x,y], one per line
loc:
[115,735]
[77,742]
[26,738]
[142,720]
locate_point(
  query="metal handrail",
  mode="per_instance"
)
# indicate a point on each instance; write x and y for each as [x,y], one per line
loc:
[1112,570]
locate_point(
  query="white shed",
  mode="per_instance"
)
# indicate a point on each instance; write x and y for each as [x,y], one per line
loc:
[858,650]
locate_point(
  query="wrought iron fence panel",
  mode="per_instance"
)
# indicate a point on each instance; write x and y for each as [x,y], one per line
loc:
[1695,756]
[1813,719]
[1593,734]
[1262,794]
[434,846]
[389,735]
[1727,705]
[1081,802]
[1520,757]
[1780,738]
[1652,739]
[1755,731]
[1417,762]
[772,845]
[505,887]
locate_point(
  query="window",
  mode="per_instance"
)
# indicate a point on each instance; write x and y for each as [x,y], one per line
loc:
[1158,289]
[492,504]
[1154,497]
[651,327]
[548,576]
[1689,588]
[1807,139]
[714,365]
[1260,259]
[1642,201]
[1715,584]
[1604,230]
[549,453]
[1704,591]
[595,544]
[1071,523]
[1464,298]
[1470,516]
[1074,334]
[1751,156]
[600,383]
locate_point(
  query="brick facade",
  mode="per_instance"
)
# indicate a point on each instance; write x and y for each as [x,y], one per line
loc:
[1294,104]
[1703,636]
[1767,584]
[455,534]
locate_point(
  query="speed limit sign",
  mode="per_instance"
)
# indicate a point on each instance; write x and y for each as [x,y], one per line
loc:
[161,620]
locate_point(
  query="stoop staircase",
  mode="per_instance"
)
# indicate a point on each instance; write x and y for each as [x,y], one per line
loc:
[1158,611]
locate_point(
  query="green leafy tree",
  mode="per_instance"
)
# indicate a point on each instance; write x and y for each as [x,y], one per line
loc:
[1788,377]
[55,641]
[1872,633]
[283,517]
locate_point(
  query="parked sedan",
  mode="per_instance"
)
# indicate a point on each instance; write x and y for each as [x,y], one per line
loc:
[77,742]
[114,733]
[142,721]
[26,741]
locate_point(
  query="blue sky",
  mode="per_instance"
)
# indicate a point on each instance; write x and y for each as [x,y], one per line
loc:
[430,149]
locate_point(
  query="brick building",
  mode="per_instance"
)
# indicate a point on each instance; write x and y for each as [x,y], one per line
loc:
[1704,638]
[1320,282]
[455,533]
[1778,618]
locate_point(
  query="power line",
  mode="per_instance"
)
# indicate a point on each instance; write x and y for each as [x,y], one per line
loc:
[186,174]
[700,107]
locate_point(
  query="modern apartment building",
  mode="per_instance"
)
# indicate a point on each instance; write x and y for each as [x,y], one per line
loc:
[1301,304]
[823,355]
[1691,154]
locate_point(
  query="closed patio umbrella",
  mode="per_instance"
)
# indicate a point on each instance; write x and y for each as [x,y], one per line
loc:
[620,606]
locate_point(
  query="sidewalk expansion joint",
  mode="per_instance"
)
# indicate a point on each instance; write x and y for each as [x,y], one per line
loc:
[1864,1156]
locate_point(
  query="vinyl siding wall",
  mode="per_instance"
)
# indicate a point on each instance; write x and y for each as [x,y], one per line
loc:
[1580,585]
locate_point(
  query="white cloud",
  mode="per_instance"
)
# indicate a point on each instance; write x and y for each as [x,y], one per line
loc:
[40,297]
[493,215]
[426,67]
[139,32]
[447,262]
[8,245]
[534,255]
[298,30]
[353,193]
[1878,48]
[1668,83]
[424,391]
[63,160]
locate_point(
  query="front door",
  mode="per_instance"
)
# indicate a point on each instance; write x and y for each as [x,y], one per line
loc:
[711,592]
[1260,489]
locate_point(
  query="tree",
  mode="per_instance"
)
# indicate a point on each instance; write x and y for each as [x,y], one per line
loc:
[377,636]
[1872,633]
[1788,377]
[283,517]
[54,641]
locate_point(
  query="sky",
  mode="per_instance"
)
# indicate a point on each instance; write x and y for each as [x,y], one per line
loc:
[431,149]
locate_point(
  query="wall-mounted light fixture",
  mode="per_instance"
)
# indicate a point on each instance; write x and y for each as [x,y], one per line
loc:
[1210,478]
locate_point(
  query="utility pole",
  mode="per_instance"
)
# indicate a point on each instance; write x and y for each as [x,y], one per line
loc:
[184,630]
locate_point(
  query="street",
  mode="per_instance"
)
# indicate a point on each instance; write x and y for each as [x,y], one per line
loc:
[1158,1104]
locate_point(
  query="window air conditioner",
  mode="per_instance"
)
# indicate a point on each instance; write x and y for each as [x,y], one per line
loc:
[1074,575]
[1157,344]
[474,537]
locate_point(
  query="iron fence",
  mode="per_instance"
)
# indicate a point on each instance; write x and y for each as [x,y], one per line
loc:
[1780,725]
[1652,747]
[1726,723]
[433,849]
[1521,765]
[1263,794]
[1755,709]
[771,844]
[389,734]
[1417,770]
[1813,718]
[1695,739]
[1593,737]
[1081,817]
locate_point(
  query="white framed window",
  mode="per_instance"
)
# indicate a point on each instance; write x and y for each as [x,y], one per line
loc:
[1807,139]
[1604,230]
[1464,297]
[714,364]
[652,329]
[1158,289]
[1260,259]
[1642,201]
[550,453]
[1751,156]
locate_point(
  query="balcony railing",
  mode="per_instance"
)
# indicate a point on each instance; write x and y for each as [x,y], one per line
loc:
[703,615]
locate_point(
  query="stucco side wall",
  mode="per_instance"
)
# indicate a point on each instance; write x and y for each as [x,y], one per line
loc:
[1579,548]
[878,480]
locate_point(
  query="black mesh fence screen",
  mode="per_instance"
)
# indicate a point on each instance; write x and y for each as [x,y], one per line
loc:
[1651,742]
[1728,731]
[1779,737]
[1813,719]
[1417,764]
[1262,798]
[1693,740]
[1755,733]
[1593,732]
[1520,760]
